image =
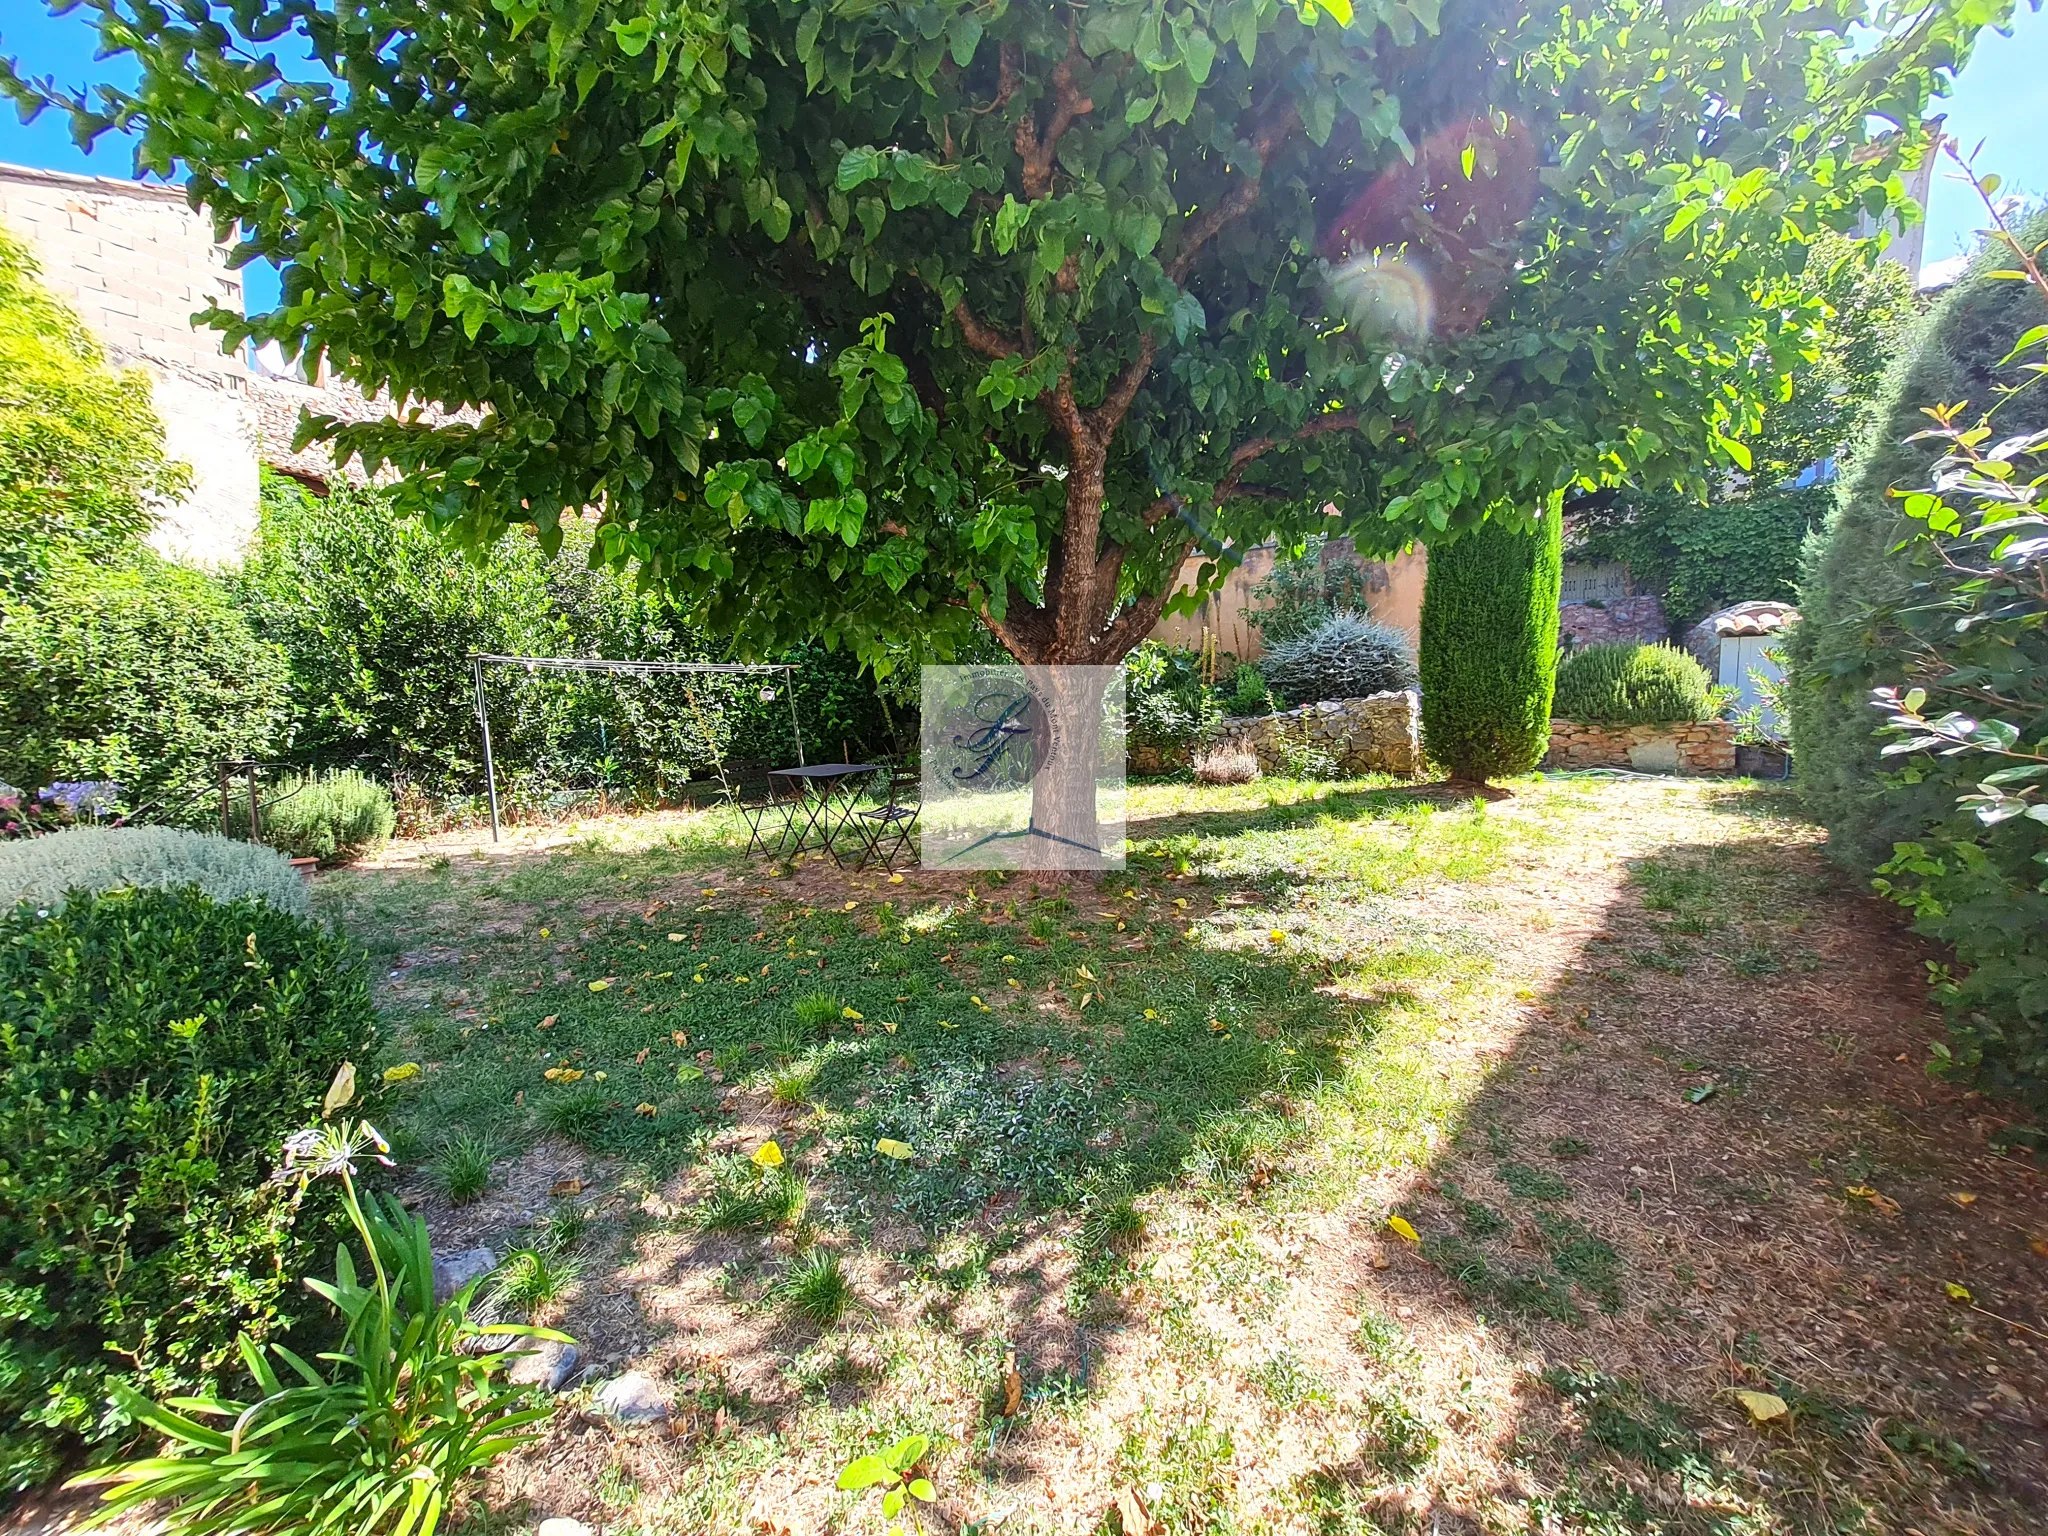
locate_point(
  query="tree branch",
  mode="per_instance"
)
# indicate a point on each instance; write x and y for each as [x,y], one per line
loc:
[1037,150]
[1235,203]
[1204,227]
[1136,621]
[985,339]
[1244,456]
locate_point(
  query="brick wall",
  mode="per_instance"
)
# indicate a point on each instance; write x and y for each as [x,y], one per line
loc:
[137,264]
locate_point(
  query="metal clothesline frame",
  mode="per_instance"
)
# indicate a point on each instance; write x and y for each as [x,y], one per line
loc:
[478,661]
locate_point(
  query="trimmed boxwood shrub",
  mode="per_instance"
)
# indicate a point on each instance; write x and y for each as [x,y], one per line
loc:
[157,1048]
[1627,683]
[1345,656]
[43,870]
[1489,647]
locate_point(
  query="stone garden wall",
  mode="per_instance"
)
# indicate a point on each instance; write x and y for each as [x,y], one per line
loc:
[1377,734]
[1685,748]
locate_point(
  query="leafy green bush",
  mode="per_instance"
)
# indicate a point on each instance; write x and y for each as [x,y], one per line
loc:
[1169,707]
[379,615]
[1345,656]
[1248,693]
[132,669]
[1325,579]
[1631,684]
[41,871]
[1858,582]
[408,1406]
[1744,543]
[1489,647]
[331,817]
[82,465]
[1968,704]
[158,1047]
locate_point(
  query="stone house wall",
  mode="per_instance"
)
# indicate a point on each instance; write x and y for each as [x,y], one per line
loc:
[1639,619]
[136,264]
[1688,749]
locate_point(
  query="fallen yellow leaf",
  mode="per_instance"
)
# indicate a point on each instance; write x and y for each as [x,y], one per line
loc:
[544,933]
[849,906]
[402,1072]
[1401,1228]
[599,986]
[1956,1292]
[675,938]
[1084,973]
[1009,959]
[848,1013]
[895,879]
[1763,1406]
[597,1077]
[900,1151]
[1963,1198]
[947,1024]
[767,1155]
[1278,936]
[563,1074]
[646,1110]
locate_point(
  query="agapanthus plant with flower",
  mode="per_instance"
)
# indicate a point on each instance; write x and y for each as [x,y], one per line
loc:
[409,1404]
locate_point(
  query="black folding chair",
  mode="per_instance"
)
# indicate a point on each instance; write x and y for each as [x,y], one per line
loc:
[765,804]
[886,829]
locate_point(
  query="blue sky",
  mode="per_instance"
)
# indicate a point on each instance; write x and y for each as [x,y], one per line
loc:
[2001,100]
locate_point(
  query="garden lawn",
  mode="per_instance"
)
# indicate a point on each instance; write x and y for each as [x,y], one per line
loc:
[1107,1185]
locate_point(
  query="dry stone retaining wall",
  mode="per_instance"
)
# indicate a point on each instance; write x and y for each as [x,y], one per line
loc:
[1380,733]
[1688,748]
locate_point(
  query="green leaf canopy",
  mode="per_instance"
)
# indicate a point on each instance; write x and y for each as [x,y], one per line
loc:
[872,320]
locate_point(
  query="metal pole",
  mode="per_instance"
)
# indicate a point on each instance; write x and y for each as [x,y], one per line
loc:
[224,797]
[255,832]
[789,691]
[483,719]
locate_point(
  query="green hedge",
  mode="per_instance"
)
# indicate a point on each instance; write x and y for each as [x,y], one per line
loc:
[42,871]
[158,1046]
[1632,684]
[136,670]
[379,616]
[1849,640]
[1889,602]
[1489,647]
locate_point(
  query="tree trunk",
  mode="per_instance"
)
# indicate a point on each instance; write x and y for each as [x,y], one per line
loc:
[1067,828]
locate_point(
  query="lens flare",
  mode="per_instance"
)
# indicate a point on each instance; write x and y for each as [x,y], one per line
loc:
[1383,293]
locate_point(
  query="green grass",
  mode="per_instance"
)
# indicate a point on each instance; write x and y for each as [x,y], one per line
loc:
[1287,1013]
[462,1167]
[815,1288]
[1183,1044]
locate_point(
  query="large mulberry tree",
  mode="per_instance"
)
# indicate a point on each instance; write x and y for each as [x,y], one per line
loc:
[875,320]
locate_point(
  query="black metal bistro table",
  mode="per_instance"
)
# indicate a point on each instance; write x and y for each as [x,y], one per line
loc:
[829,794]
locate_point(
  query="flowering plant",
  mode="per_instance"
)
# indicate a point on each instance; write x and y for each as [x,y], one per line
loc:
[374,1445]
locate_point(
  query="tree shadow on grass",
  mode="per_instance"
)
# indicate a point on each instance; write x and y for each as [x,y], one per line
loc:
[1706,1161]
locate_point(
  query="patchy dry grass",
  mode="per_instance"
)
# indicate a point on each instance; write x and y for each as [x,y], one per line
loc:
[1639,1072]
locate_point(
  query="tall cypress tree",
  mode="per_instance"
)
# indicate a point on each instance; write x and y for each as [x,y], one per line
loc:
[1489,647]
